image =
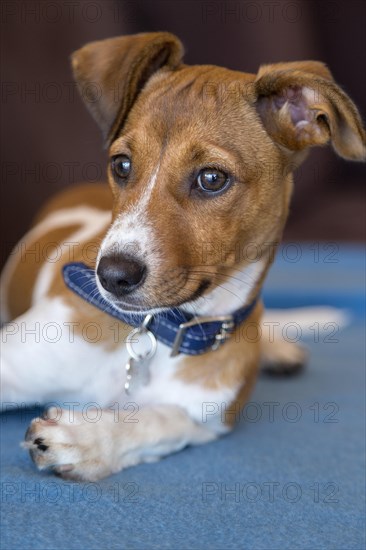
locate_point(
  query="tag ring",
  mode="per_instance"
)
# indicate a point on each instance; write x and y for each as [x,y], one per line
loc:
[130,349]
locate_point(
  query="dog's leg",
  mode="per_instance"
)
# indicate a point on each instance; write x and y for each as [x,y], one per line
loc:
[88,449]
[281,329]
[278,356]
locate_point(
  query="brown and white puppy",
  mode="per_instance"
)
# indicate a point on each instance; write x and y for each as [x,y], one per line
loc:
[201,168]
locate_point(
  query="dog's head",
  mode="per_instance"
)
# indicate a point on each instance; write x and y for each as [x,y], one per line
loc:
[201,162]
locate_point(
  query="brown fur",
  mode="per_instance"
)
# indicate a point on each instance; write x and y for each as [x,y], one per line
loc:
[30,259]
[31,253]
[227,366]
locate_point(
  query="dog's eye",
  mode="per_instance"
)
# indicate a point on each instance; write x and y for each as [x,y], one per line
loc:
[121,166]
[211,180]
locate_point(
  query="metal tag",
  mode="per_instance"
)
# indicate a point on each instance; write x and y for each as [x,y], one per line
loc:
[137,367]
[138,374]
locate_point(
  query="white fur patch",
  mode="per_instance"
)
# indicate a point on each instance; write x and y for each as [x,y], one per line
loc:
[132,234]
[45,358]
[198,401]
[132,229]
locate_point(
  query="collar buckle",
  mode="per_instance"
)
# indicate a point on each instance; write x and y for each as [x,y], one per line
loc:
[227,326]
[226,329]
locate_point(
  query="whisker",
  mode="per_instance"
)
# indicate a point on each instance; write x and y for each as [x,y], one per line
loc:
[217,286]
[250,277]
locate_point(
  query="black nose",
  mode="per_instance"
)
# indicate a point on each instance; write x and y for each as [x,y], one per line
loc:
[120,275]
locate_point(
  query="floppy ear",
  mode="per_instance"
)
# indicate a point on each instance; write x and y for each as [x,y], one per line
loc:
[111,73]
[301,106]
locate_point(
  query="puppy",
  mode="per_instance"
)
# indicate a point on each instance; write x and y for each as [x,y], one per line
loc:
[155,343]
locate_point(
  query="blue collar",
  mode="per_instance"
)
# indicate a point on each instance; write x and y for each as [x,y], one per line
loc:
[183,332]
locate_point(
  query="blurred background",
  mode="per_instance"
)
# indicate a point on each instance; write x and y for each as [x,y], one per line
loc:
[49,141]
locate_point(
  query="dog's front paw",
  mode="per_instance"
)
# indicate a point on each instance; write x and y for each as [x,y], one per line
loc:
[71,446]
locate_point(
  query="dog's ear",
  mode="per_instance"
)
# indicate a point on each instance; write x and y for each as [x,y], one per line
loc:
[301,106]
[111,73]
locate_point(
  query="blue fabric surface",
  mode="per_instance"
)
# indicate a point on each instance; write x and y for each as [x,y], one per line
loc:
[291,475]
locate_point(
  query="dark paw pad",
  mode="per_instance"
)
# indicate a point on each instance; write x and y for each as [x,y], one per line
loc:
[36,444]
[283,369]
[39,442]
